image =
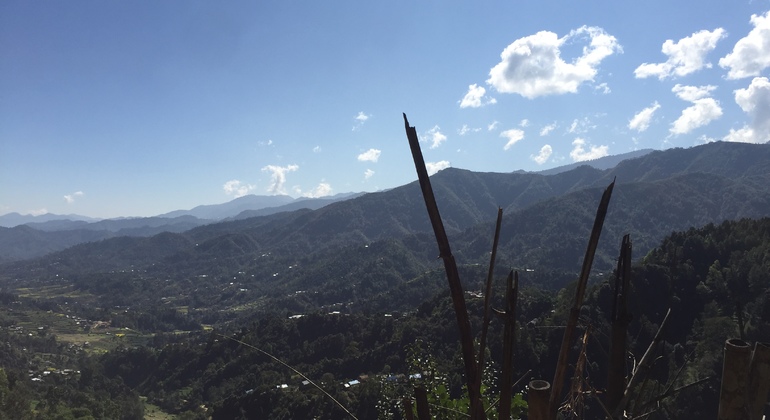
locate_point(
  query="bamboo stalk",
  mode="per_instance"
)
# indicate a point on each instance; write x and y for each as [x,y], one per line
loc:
[509,339]
[733,395]
[561,365]
[537,400]
[421,398]
[453,277]
[488,295]
[643,367]
[759,381]
[616,381]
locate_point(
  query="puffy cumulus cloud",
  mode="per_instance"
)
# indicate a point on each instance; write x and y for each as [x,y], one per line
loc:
[278,177]
[368,173]
[360,119]
[641,121]
[603,88]
[755,101]
[546,130]
[513,135]
[433,167]
[750,54]
[703,110]
[435,137]
[532,66]
[322,190]
[236,188]
[371,155]
[685,56]
[476,97]
[542,157]
[70,198]
[579,152]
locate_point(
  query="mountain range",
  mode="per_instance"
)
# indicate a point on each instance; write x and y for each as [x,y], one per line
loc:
[376,247]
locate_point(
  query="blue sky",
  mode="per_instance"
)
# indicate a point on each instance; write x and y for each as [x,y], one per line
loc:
[138,108]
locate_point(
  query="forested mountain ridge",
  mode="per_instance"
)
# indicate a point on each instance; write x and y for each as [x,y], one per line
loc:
[375,246]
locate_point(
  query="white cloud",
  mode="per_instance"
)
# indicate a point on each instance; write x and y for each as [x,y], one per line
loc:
[755,101]
[703,110]
[235,188]
[579,152]
[580,126]
[317,149]
[433,167]
[641,121]
[265,143]
[547,129]
[603,88]
[524,123]
[542,157]
[278,177]
[532,66]
[368,173]
[513,135]
[465,130]
[38,212]
[70,198]
[371,155]
[435,137]
[492,126]
[476,97]
[685,56]
[322,190]
[750,54]
[361,118]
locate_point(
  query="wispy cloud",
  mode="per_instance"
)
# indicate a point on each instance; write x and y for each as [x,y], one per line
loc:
[492,126]
[70,198]
[368,173]
[317,149]
[703,110]
[524,123]
[754,101]
[371,155]
[278,177]
[433,167]
[751,54]
[435,137]
[546,130]
[513,135]
[236,188]
[641,121]
[685,56]
[476,97]
[542,157]
[360,119]
[579,152]
[532,66]
[38,212]
[465,130]
[265,143]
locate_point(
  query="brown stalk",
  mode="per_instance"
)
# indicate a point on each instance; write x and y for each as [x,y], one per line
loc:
[487,296]
[569,332]
[509,339]
[616,381]
[453,277]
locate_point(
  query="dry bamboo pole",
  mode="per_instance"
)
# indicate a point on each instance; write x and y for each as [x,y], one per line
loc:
[509,339]
[616,380]
[643,368]
[488,295]
[734,393]
[537,400]
[759,379]
[421,398]
[453,277]
[561,365]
